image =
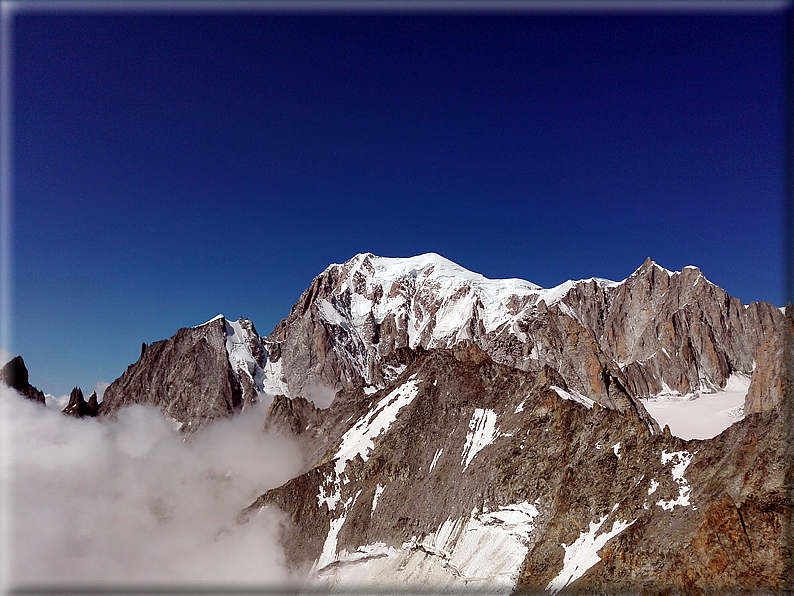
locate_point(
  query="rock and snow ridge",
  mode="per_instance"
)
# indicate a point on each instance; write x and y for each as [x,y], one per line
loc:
[201,373]
[467,474]
[489,429]
[460,292]
[655,333]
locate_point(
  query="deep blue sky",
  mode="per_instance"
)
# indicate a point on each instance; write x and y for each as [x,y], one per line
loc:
[171,167]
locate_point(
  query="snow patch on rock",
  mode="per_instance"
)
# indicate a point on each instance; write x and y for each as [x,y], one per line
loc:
[583,553]
[359,439]
[684,459]
[480,552]
[330,492]
[241,358]
[574,396]
[482,432]
[328,555]
[378,492]
[435,459]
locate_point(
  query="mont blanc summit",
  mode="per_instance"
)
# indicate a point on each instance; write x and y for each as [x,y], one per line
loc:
[494,435]
[655,332]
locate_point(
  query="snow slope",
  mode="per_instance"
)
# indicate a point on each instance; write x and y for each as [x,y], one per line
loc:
[479,554]
[434,294]
[703,417]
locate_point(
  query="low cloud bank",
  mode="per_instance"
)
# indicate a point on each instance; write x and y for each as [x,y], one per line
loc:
[321,395]
[100,387]
[130,501]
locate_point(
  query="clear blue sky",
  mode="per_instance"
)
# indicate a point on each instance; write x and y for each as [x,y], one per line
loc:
[171,167]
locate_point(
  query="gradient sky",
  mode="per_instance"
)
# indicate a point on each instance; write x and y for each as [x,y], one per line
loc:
[172,166]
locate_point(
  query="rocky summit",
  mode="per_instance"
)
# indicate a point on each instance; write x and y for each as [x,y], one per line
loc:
[490,435]
[656,331]
[15,375]
[200,374]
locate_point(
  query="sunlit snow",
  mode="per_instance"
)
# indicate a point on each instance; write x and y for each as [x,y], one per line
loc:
[583,553]
[684,459]
[329,546]
[703,417]
[378,492]
[482,552]
[574,396]
[359,439]
[238,348]
[482,432]
[274,383]
[461,295]
[215,318]
[435,459]
[330,492]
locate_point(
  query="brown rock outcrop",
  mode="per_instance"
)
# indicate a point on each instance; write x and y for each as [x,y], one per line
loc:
[773,377]
[189,377]
[692,517]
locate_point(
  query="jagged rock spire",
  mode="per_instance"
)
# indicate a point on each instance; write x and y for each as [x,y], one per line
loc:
[15,375]
[77,405]
[93,404]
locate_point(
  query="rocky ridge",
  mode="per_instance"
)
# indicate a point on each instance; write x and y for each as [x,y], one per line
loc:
[467,472]
[655,332]
[489,433]
[201,373]
[78,407]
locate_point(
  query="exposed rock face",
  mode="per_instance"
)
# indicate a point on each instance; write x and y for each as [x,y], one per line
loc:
[467,472]
[15,375]
[200,374]
[292,417]
[773,377]
[657,331]
[78,407]
[679,330]
[93,404]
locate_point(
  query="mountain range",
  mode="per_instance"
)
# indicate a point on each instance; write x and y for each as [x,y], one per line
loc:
[462,432]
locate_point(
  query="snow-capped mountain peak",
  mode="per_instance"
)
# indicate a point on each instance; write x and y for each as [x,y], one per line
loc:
[527,423]
[607,338]
[386,270]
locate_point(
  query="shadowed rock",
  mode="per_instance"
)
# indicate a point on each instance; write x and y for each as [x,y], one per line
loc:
[77,405]
[15,374]
[188,377]
[773,377]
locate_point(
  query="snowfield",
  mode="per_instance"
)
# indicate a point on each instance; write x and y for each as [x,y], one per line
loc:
[704,417]
[479,554]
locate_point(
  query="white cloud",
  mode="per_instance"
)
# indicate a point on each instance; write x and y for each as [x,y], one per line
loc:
[100,387]
[321,395]
[130,500]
